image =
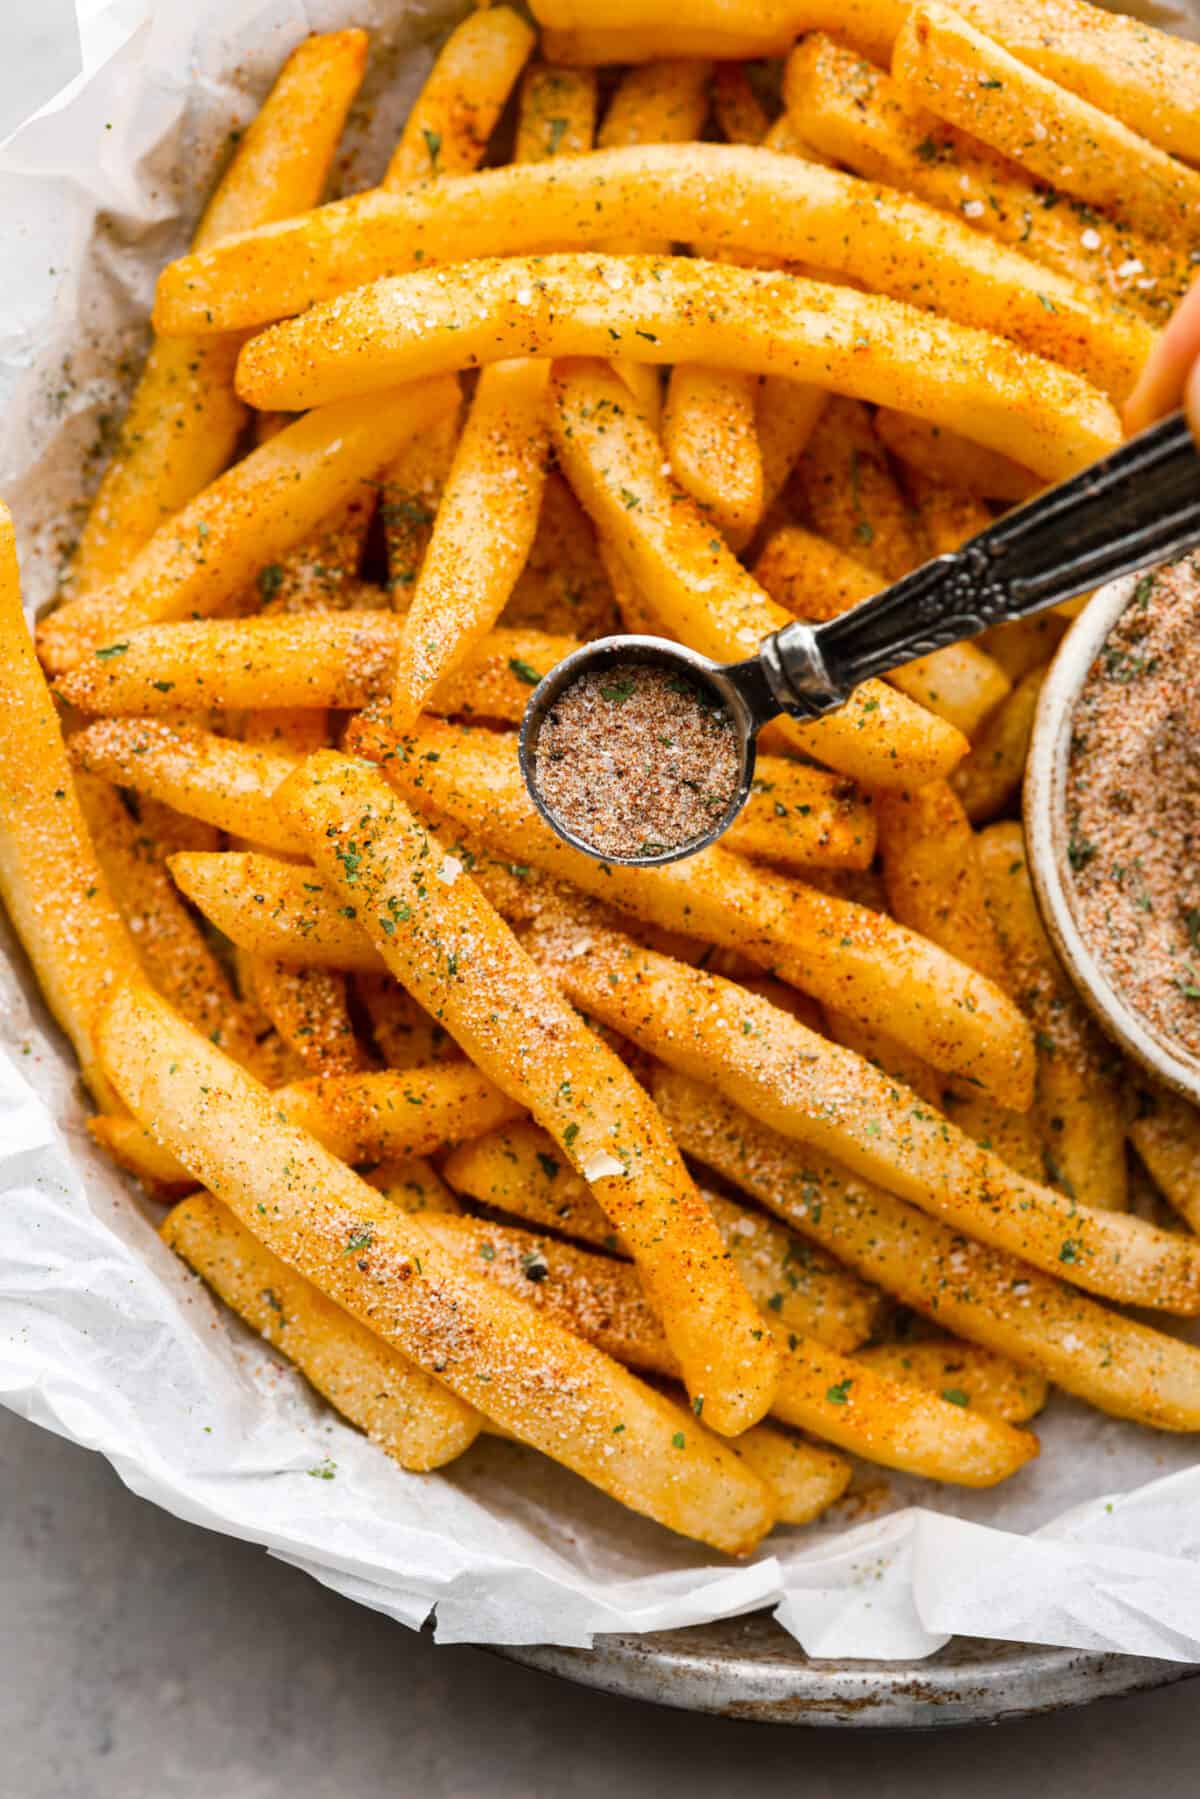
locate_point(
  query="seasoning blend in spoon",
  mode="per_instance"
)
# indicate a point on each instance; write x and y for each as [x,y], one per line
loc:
[1137,507]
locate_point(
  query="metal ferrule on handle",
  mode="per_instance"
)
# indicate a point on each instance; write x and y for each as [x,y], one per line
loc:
[1137,507]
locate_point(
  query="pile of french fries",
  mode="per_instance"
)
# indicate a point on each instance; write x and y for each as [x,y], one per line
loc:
[702,1179]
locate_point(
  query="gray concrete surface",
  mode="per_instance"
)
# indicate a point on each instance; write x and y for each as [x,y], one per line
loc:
[141,1658]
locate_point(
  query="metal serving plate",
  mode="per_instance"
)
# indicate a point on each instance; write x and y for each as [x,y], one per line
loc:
[750,1669]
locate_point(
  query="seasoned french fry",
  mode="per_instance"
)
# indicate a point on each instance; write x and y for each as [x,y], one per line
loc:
[547,1387]
[447,131]
[482,535]
[557,113]
[949,515]
[411,489]
[675,309]
[664,104]
[790,1079]
[311,661]
[1148,78]
[711,443]
[839,1398]
[169,946]
[964,1374]
[442,939]
[50,879]
[943,63]
[839,952]
[851,496]
[959,684]
[417,1420]
[934,877]
[201,558]
[801,817]
[700,592]
[989,779]
[1013,1136]
[880,1049]
[739,112]
[1078,1095]
[414,1185]
[857,114]
[184,418]
[1024,643]
[1123,1367]
[405,1034]
[1166,1134]
[734,200]
[946,456]
[320,574]
[273,908]
[804,1478]
[563,586]
[785,418]
[307,1006]
[520,1170]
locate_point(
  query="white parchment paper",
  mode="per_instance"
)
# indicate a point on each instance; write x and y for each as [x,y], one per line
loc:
[105,1338]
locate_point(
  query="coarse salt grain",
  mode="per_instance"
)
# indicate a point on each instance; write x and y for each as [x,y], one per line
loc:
[973,209]
[1090,239]
[449,870]
[600,1166]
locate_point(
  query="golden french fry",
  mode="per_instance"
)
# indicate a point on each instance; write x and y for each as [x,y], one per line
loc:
[184,418]
[801,817]
[1121,1366]
[699,591]
[663,104]
[989,779]
[964,1374]
[307,1006]
[1024,643]
[273,908]
[941,62]
[589,47]
[1013,1136]
[417,1420]
[411,489]
[851,496]
[739,112]
[1078,1101]
[442,939]
[841,953]
[804,1478]
[786,416]
[202,557]
[709,436]
[678,310]
[949,514]
[414,1185]
[557,113]
[563,586]
[50,880]
[836,1397]
[881,1050]
[947,456]
[934,877]
[1166,1135]
[482,534]
[454,115]
[547,1387]
[811,577]
[519,1169]
[169,945]
[404,1033]
[857,114]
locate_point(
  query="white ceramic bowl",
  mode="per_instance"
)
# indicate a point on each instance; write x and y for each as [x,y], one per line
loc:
[1046,839]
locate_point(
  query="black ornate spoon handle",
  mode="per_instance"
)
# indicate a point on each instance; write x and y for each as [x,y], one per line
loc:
[1139,506]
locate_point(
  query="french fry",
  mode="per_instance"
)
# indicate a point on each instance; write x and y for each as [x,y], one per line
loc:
[320,574]
[700,592]
[858,115]
[1166,1135]
[964,1374]
[274,908]
[851,496]
[1013,1136]
[1025,643]
[308,1007]
[739,112]
[168,943]
[675,309]
[50,880]
[414,1185]
[947,456]
[312,661]
[801,817]
[201,558]
[785,418]
[417,1420]
[839,952]
[184,418]
[880,1049]
[790,1079]
[411,489]
[547,1387]
[712,446]
[454,115]
[1078,1096]
[1123,1367]
[518,1169]
[664,104]
[563,586]
[557,113]
[482,535]
[989,779]
[941,62]
[804,1478]
[933,875]
[404,1033]
[839,1398]
[735,200]
[949,515]
[443,940]
[1148,78]
[959,684]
